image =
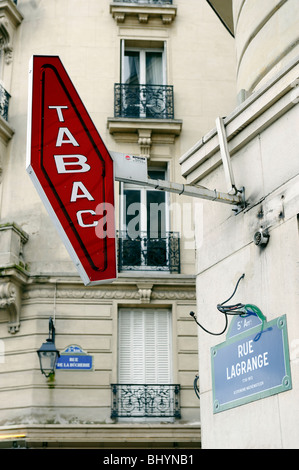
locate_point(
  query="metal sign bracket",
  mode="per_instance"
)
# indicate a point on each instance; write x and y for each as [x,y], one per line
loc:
[132,169]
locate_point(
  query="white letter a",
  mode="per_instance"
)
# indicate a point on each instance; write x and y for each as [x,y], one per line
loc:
[71,139]
[75,195]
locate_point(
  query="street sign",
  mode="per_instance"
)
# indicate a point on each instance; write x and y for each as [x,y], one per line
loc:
[252,363]
[71,169]
[129,168]
[73,358]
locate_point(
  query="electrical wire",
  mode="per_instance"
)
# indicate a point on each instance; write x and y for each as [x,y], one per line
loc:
[228,309]
[236,309]
[196,386]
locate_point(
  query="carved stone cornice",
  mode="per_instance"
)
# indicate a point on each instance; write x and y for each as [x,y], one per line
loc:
[141,291]
[10,18]
[145,291]
[145,142]
[5,40]
[9,9]
[145,132]
[175,294]
[143,12]
[10,299]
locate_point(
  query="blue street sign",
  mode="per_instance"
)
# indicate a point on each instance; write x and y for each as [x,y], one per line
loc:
[252,363]
[75,359]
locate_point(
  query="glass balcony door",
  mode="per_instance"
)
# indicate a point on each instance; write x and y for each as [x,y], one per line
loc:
[143,71]
[143,67]
[145,224]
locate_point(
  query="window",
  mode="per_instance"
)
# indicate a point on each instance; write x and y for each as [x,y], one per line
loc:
[143,67]
[144,389]
[144,236]
[144,346]
[144,210]
[144,239]
[143,92]
[142,75]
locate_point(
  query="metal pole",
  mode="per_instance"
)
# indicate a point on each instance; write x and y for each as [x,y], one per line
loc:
[225,155]
[133,170]
[192,191]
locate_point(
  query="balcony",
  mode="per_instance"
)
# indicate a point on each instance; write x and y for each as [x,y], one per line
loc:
[149,253]
[144,113]
[145,401]
[143,101]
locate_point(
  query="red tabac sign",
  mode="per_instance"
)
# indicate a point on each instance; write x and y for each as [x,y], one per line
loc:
[71,169]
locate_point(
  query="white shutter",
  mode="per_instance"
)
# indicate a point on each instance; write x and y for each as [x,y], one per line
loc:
[144,346]
[124,353]
[163,348]
[137,348]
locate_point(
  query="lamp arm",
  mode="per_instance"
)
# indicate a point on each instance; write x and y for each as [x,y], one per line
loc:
[51,330]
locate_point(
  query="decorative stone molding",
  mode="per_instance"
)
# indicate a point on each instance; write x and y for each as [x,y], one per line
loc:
[12,241]
[13,272]
[10,18]
[143,17]
[78,294]
[119,17]
[167,19]
[177,294]
[145,142]
[86,435]
[125,130]
[143,12]
[6,133]
[10,299]
[145,292]
[5,40]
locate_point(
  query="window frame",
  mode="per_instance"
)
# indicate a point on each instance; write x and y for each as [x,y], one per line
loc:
[143,190]
[143,49]
[168,333]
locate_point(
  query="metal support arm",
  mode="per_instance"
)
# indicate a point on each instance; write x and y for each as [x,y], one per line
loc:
[132,169]
[225,155]
[192,191]
[197,191]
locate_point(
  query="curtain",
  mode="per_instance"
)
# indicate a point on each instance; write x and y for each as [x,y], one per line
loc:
[154,75]
[131,68]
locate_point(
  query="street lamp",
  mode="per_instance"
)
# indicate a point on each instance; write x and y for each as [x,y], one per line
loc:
[48,354]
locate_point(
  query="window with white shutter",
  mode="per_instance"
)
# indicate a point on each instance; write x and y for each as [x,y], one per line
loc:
[144,346]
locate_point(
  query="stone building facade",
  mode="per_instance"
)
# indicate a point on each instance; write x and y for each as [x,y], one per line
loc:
[261,241]
[124,59]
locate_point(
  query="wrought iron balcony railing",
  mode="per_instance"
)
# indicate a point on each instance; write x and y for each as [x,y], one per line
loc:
[145,401]
[4,101]
[151,2]
[147,252]
[143,101]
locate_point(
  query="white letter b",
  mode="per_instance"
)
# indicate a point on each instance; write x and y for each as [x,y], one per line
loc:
[61,164]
